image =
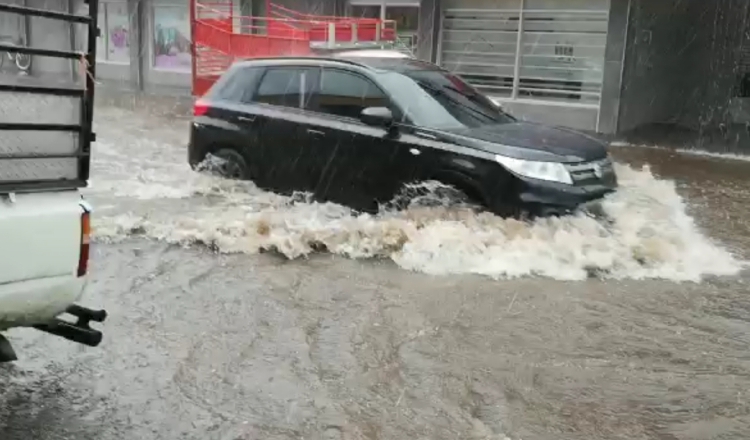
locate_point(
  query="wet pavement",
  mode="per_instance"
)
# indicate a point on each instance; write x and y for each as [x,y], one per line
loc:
[247,345]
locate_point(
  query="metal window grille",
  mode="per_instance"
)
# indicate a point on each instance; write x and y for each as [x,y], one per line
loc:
[528,49]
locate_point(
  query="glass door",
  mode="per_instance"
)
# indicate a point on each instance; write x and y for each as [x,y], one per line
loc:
[367,11]
[405,14]
[407,23]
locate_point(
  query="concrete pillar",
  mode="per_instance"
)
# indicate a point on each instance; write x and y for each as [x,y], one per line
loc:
[136,11]
[430,14]
[614,57]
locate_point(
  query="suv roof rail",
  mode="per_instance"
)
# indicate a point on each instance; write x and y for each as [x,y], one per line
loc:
[306,57]
[353,45]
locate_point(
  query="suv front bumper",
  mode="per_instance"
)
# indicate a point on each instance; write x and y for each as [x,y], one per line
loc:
[542,198]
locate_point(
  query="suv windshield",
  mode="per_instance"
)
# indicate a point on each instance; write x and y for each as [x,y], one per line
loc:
[436,98]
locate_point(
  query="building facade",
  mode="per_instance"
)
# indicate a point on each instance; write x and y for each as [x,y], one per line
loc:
[608,66]
[541,59]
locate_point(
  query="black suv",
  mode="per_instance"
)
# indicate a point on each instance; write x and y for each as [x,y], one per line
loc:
[357,129]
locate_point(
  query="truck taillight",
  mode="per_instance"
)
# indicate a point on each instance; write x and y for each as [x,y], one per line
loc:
[83,258]
[200,108]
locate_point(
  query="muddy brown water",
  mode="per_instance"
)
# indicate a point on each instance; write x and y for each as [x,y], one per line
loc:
[201,345]
[717,189]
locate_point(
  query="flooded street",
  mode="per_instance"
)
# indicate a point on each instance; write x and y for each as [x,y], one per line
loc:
[240,314]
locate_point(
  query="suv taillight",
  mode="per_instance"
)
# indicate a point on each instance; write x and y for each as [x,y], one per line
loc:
[200,108]
[83,257]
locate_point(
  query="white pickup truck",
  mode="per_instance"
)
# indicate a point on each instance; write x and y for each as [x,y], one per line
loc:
[45,139]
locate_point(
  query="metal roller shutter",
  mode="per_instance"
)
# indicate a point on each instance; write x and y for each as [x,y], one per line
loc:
[478,42]
[561,46]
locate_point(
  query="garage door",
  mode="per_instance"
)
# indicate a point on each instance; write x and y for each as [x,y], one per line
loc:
[555,48]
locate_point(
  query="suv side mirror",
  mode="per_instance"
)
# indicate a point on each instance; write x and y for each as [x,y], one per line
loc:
[377,117]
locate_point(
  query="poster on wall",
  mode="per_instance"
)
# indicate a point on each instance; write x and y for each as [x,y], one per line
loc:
[118,42]
[172,38]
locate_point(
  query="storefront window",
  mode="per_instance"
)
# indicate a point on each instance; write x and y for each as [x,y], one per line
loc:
[406,18]
[118,41]
[114,43]
[171,46]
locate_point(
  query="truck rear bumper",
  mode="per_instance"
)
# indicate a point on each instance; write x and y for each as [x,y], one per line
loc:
[37,301]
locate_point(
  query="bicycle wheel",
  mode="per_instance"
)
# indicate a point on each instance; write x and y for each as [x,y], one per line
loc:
[23,61]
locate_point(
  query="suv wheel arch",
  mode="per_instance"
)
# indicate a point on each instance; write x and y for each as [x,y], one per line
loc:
[462,182]
[236,158]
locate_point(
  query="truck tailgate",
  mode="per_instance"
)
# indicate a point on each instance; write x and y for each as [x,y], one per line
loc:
[40,235]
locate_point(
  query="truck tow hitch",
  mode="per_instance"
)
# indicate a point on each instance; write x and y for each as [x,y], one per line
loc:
[80,331]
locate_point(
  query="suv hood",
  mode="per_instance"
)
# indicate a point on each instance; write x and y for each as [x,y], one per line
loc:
[525,140]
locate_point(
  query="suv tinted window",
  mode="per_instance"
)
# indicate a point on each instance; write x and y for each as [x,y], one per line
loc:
[347,94]
[284,86]
[435,98]
[236,85]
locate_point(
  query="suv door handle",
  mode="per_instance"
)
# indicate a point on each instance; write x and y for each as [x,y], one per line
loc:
[315,132]
[246,118]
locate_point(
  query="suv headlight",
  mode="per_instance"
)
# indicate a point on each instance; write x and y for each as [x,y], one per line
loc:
[550,171]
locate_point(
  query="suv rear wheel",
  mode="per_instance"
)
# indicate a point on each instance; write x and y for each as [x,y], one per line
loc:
[232,165]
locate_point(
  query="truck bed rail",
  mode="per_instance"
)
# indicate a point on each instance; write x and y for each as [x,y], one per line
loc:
[46,124]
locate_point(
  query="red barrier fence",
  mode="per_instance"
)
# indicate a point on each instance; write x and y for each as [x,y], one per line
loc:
[220,37]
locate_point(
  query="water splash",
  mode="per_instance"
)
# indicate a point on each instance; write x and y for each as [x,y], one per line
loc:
[648,233]
[687,151]
[142,186]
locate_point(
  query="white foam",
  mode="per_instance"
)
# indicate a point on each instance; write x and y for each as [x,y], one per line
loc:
[691,152]
[649,234]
